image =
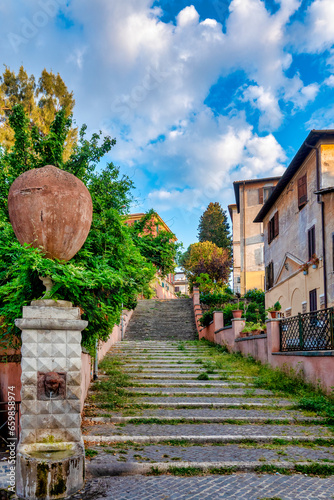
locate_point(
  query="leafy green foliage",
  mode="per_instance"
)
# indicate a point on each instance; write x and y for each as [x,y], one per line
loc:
[207,258]
[160,247]
[41,101]
[108,271]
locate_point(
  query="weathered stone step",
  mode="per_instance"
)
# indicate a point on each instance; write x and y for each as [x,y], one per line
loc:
[199,439]
[220,412]
[183,391]
[207,419]
[186,383]
[187,376]
[201,403]
[133,468]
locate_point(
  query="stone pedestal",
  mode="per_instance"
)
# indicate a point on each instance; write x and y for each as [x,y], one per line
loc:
[50,454]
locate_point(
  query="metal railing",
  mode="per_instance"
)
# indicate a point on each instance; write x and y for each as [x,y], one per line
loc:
[4,434]
[307,332]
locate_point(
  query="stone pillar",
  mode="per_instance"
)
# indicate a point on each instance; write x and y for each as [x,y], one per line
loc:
[196,299]
[218,319]
[273,336]
[50,455]
[238,324]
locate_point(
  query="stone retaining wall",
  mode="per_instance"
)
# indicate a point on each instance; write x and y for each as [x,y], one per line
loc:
[317,366]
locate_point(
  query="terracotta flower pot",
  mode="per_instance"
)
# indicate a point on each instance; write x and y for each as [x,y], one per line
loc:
[273,314]
[50,209]
[237,313]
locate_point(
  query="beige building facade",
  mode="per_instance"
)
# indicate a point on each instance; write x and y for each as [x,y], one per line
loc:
[248,243]
[298,221]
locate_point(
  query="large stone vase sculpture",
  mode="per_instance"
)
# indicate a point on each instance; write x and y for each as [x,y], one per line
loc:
[50,209]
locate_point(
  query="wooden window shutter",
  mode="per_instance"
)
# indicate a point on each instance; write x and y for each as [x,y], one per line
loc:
[276,225]
[261,196]
[269,231]
[311,242]
[302,191]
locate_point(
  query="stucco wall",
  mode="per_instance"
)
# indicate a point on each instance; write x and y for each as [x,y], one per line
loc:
[291,287]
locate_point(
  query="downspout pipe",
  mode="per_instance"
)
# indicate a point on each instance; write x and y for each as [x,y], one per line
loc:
[319,200]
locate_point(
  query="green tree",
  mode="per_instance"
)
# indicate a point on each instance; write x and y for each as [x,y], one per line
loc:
[207,258]
[214,227]
[108,271]
[41,101]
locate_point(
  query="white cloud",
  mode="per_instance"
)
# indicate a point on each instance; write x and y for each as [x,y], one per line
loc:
[316,32]
[263,100]
[329,81]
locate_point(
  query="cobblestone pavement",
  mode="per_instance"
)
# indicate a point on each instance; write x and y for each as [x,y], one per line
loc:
[237,486]
[253,445]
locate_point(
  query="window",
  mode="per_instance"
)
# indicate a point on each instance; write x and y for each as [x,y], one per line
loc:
[269,275]
[302,191]
[313,300]
[177,288]
[311,242]
[273,228]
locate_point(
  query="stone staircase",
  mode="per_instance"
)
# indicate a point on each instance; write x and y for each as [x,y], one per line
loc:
[191,416]
[162,320]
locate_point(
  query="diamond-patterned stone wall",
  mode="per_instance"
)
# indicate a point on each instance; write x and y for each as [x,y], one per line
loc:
[45,349]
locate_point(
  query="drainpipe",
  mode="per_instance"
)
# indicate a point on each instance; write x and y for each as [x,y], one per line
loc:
[244,232]
[319,200]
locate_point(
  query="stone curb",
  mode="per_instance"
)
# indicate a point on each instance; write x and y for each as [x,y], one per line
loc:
[199,439]
[250,420]
[204,405]
[132,468]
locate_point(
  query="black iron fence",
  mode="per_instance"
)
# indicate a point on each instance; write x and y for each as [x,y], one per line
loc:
[308,332]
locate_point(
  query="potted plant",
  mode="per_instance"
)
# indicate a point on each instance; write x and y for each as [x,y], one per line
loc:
[236,311]
[314,261]
[304,268]
[274,309]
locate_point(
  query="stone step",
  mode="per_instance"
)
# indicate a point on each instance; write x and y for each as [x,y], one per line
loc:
[183,391]
[109,468]
[90,439]
[216,413]
[206,419]
[199,403]
[186,383]
[213,377]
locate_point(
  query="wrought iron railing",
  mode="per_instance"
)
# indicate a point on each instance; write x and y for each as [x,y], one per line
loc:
[308,332]
[4,421]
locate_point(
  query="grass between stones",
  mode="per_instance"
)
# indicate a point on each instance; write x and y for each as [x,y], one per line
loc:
[285,381]
[111,392]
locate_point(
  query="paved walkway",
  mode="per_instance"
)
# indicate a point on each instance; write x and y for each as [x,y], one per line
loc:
[221,425]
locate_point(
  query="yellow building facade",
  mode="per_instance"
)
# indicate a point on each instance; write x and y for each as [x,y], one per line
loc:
[248,244]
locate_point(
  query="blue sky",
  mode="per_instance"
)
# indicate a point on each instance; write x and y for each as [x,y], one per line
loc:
[198,94]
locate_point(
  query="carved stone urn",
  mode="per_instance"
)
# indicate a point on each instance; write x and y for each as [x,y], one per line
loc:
[50,209]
